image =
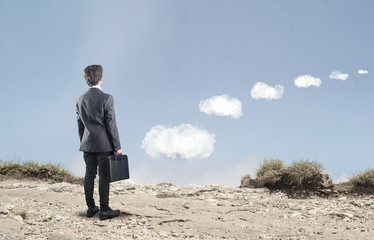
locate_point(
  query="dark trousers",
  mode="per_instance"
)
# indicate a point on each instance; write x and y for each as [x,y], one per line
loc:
[93,162]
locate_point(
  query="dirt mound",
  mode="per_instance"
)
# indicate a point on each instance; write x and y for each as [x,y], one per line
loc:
[311,182]
[31,170]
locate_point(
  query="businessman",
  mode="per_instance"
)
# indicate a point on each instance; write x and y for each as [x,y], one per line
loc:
[99,138]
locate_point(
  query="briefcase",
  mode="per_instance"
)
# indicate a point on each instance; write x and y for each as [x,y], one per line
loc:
[118,167]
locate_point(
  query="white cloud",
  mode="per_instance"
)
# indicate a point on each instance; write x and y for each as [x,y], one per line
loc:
[306,81]
[342,179]
[338,75]
[186,140]
[362,71]
[263,91]
[222,106]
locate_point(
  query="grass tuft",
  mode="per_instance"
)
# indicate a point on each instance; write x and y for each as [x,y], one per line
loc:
[247,181]
[339,215]
[6,167]
[23,214]
[363,182]
[247,176]
[301,175]
[270,172]
[304,174]
[34,170]
[167,195]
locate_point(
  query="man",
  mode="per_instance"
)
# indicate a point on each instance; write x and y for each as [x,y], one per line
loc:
[99,138]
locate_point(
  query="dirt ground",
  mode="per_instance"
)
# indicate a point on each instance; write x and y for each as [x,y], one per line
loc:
[41,210]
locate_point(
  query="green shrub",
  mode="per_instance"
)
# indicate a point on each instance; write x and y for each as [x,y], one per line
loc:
[270,173]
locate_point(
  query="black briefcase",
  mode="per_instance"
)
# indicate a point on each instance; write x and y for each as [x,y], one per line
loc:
[118,167]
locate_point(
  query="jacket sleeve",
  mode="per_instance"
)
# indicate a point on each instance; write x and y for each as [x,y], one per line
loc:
[110,123]
[80,125]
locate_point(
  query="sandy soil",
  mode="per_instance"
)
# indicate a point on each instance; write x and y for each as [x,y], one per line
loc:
[40,210]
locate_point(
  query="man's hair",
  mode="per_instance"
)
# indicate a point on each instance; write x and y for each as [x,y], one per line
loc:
[93,74]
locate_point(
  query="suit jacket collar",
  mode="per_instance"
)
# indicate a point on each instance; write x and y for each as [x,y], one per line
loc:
[94,89]
[96,86]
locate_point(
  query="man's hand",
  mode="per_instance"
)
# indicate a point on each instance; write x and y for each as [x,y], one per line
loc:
[119,152]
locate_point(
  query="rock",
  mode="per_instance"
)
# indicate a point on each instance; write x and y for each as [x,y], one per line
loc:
[326,181]
[18,218]
[4,212]
[349,215]
[247,182]
[295,215]
[9,207]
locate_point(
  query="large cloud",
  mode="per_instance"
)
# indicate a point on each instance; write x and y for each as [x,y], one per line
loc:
[263,91]
[338,75]
[362,71]
[186,140]
[306,81]
[222,106]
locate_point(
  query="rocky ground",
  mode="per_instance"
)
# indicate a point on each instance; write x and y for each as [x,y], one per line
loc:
[40,210]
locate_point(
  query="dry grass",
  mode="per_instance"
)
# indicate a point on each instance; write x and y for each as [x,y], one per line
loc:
[303,175]
[34,170]
[167,195]
[23,214]
[270,173]
[363,182]
[247,176]
[274,174]
[247,181]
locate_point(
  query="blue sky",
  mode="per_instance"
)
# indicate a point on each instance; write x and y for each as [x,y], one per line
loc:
[163,59]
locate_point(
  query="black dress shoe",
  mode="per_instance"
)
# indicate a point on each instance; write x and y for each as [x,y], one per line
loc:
[109,214]
[92,211]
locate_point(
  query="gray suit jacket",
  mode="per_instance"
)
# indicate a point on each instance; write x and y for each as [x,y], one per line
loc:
[97,126]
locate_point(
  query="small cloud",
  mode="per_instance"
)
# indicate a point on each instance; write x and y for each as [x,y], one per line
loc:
[221,106]
[362,71]
[186,140]
[263,91]
[338,75]
[306,81]
[342,179]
